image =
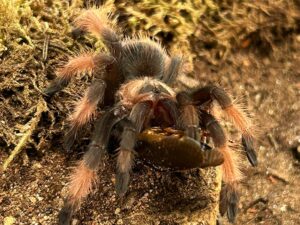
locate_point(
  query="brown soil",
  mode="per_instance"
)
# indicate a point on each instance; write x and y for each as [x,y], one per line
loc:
[270,86]
[32,188]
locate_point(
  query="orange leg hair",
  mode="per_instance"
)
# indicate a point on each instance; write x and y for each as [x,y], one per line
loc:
[84,111]
[84,175]
[99,23]
[86,62]
[231,166]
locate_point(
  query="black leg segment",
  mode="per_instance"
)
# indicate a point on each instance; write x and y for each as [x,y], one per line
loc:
[126,153]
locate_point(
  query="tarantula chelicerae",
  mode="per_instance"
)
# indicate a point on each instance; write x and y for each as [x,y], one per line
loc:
[132,87]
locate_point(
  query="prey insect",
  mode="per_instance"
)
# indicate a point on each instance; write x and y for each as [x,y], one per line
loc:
[132,86]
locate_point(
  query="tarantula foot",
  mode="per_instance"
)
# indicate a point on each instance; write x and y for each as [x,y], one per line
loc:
[69,140]
[232,208]
[250,152]
[229,202]
[55,86]
[175,151]
[122,182]
[65,215]
[77,33]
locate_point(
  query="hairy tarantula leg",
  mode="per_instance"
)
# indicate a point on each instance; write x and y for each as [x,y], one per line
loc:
[84,176]
[86,62]
[173,70]
[231,171]
[125,156]
[239,118]
[189,118]
[84,111]
[97,23]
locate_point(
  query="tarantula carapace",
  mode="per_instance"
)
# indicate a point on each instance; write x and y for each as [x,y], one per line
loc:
[132,87]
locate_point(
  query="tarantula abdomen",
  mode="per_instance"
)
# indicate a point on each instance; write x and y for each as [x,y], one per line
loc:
[168,149]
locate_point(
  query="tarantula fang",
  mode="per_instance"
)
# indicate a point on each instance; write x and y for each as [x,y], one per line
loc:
[132,85]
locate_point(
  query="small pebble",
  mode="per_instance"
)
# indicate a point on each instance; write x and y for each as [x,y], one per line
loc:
[283,208]
[246,63]
[75,222]
[37,166]
[258,98]
[32,199]
[39,198]
[9,220]
[117,211]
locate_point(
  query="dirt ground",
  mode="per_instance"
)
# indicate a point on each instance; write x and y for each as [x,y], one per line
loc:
[271,88]
[32,188]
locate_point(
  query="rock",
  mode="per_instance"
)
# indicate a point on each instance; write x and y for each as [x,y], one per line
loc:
[32,199]
[117,211]
[120,221]
[9,220]
[75,222]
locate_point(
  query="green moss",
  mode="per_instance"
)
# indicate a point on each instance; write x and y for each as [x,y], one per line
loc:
[34,37]
[173,21]
[24,21]
[211,29]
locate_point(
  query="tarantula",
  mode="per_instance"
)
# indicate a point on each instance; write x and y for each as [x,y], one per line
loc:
[132,86]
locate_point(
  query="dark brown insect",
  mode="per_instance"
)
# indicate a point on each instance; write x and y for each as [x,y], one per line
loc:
[172,150]
[132,86]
